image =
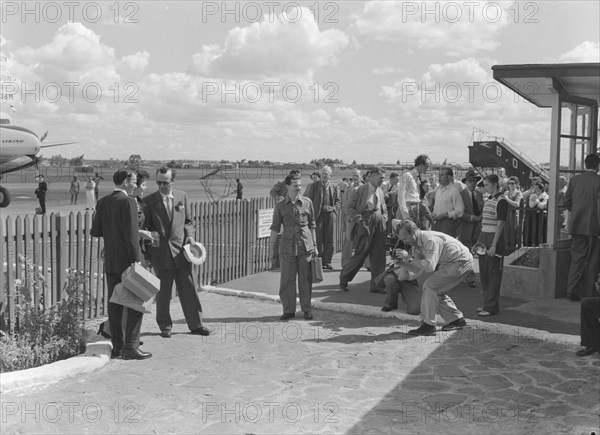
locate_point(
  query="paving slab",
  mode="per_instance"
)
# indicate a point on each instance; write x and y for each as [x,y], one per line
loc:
[340,373]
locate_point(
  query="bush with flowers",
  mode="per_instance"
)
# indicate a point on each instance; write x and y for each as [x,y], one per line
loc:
[40,336]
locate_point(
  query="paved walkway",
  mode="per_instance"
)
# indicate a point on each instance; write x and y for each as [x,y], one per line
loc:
[340,373]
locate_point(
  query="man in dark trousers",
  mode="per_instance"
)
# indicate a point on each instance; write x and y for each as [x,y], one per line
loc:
[470,222]
[324,197]
[40,192]
[168,213]
[239,189]
[117,222]
[366,214]
[582,199]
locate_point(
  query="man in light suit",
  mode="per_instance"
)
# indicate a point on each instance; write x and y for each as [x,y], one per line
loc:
[582,199]
[470,222]
[167,212]
[116,221]
[366,215]
[324,197]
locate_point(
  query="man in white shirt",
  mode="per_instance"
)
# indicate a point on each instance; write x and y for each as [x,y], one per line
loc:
[447,262]
[448,207]
[409,190]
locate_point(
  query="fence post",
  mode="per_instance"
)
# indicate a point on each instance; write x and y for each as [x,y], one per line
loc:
[62,254]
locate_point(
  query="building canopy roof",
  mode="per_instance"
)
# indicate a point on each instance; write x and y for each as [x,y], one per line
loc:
[534,82]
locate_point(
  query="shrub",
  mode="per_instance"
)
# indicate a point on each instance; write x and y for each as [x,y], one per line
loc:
[41,336]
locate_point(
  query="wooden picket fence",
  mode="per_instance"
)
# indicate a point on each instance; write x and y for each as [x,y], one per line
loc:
[56,245]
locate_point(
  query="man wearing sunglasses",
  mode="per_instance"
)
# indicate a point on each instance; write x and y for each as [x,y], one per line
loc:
[168,213]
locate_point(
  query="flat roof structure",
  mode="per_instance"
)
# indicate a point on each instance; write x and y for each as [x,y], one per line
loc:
[535,82]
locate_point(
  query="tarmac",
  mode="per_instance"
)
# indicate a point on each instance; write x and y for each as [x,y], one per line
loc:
[353,369]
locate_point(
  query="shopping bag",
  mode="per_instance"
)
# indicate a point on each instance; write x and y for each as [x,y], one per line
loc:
[127,298]
[316,266]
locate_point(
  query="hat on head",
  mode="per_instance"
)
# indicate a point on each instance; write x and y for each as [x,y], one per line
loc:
[194,252]
[472,175]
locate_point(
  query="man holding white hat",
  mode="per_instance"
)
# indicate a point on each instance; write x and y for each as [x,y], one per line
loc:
[167,213]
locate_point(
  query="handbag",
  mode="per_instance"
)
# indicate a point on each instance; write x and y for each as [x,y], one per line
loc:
[316,267]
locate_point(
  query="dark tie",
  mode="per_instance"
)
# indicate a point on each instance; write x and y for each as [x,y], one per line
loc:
[476,211]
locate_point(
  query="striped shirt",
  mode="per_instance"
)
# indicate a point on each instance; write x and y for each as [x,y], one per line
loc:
[495,209]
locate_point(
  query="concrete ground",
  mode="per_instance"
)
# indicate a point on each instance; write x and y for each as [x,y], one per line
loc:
[353,369]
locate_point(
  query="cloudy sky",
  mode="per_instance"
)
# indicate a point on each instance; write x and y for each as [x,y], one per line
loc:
[368,81]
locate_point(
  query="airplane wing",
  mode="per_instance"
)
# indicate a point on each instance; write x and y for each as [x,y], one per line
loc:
[55,144]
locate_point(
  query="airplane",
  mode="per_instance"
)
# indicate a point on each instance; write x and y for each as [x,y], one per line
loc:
[18,150]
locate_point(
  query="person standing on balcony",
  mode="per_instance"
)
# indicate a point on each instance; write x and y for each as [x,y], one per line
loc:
[582,199]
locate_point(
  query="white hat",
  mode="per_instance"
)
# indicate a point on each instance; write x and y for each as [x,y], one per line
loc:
[194,252]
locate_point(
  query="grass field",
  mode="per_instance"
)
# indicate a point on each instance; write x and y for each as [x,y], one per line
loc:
[257,182]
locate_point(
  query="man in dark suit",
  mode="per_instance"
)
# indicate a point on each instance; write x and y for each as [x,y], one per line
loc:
[324,197]
[366,216]
[167,212]
[470,221]
[582,199]
[117,222]
[40,192]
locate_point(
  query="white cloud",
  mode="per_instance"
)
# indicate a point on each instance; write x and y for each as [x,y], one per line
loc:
[587,51]
[271,49]
[458,28]
[449,100]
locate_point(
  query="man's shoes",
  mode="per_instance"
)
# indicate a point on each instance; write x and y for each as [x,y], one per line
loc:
[573,297]
[287,316]
[308,315]
[457,324]
[344,286]
[378,290]
[484,313]
[136,354]
[116,353]
[586,352]
[424,329]
[328,266]
[386,309]
[201,330]
[165,333]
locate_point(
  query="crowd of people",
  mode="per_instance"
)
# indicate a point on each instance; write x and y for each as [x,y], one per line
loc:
[439,229]
[436,231]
